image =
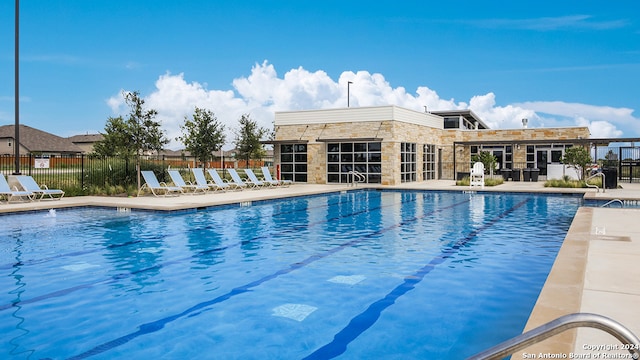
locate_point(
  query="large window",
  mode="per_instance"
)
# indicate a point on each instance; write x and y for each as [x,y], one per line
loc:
[293,162]
[408,167]
[502,153]
[363,157]
[429,162]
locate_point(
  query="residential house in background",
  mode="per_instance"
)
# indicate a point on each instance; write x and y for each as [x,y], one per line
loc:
[86,142]
[36,142]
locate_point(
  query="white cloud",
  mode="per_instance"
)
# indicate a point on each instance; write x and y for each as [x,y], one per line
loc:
[263,92]
[603,121]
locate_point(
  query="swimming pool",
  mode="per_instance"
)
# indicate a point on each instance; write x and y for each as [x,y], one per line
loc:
[362,274]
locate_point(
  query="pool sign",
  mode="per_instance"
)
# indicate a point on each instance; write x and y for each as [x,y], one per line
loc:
[41,163]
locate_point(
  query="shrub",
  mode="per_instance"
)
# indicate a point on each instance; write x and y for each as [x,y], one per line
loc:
[487,181]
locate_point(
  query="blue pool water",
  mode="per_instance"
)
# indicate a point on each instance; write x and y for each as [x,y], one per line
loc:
[357,275]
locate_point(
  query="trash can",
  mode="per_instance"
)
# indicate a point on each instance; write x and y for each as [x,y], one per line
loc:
[515,174]
[506,173]
[526,174]
[534,174]
[462,175]
[610,177]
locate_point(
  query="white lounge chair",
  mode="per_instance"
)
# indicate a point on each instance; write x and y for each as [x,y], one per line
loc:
[177,180]
[29,184]
[252,178]
[266,174]
[10,194]
[223,183]
[201,179]
[476,177]
[157,188]
[236,179]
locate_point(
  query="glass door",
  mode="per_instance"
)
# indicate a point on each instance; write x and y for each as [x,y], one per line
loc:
[542,160]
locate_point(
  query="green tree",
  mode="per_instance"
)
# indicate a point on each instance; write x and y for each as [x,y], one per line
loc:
[578,158]
[248,139]
[202,135]
[138,135]
[487,159]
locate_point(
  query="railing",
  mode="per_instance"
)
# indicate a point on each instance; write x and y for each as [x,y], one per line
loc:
[624,335]
[356,177]
[596,186]
[613,201]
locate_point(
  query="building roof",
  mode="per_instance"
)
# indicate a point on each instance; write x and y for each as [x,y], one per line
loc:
[469,115]
[86,139]
[35,140]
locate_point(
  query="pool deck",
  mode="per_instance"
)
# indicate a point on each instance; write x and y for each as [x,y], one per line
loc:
[595,271]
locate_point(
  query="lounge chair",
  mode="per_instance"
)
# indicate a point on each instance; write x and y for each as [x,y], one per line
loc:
[201,179]
[223,183]
[252,178]
[29,184]
[177,180]
[476,177]
[236,179]
[157,188]
[266,174]
[6,191]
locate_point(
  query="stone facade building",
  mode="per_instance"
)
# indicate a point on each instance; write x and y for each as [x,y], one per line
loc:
[390,145]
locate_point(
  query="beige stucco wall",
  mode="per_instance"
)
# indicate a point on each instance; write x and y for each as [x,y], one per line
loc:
[5,149]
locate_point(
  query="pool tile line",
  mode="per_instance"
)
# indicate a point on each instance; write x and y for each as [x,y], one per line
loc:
[157,325]
[363,321]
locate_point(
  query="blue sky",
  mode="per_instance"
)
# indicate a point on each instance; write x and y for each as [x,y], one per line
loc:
[560,63]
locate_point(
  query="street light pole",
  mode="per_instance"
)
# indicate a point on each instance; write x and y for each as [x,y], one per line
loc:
[16,140]
[348,97]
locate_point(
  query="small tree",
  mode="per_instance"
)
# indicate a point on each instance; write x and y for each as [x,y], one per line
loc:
[248,139]
[139,134]
[202,135]
[578,158]
[487,159]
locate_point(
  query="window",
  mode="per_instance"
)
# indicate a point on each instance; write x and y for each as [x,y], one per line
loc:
[429,162]
[362,157]
[293,162]
[408,167]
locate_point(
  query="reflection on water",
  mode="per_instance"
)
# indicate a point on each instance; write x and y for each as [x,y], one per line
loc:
[22,332]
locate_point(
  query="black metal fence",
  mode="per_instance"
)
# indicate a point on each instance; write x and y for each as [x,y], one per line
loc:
[84,174]
[79,174]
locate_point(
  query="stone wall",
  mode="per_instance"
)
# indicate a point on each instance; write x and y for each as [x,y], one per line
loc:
[393,133]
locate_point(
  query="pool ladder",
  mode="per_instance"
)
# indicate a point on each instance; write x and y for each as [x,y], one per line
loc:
[356,177]
[566,322]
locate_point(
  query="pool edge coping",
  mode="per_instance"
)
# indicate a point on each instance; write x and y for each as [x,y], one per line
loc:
[562,292]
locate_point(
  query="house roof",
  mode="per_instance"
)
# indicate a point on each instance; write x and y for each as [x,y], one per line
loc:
[35,140]
[86,139]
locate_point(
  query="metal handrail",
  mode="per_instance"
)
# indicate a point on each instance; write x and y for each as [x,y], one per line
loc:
[612,201]
[356,177]
[596,186]
[624,335]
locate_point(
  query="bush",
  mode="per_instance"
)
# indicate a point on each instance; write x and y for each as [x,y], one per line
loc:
[487,181]
[566,182]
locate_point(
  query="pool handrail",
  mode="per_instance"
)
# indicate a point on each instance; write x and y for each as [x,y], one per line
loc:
[613,201]
[554,327]
[356,177]
[596,186]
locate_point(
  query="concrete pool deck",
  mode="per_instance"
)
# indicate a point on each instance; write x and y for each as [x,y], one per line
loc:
[595,271]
